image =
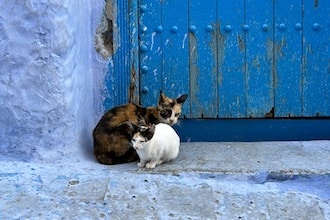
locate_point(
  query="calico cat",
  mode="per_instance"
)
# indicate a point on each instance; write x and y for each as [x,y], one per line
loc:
[113,133]
[155,144]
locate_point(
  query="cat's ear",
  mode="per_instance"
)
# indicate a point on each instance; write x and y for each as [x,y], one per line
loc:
[182,99]
[135,127]
[141,121]
[150,132]
[162,97]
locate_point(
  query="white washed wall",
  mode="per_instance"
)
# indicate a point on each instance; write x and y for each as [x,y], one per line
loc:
[48,72]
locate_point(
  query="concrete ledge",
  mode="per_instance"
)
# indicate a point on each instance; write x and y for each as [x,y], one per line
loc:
[252,157]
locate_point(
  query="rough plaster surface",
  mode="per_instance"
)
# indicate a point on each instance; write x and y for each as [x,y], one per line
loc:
[47,70]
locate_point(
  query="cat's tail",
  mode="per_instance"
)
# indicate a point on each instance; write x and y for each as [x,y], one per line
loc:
[110,158]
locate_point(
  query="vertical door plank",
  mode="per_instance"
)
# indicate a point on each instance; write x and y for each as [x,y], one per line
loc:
[231,59]
[134,91]
[118,77]
[316,57]
[288,58]
[175,50]
[151,51]
[259,57]
[203,59]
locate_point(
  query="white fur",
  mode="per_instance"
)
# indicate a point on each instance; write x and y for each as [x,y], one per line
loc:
[162,147]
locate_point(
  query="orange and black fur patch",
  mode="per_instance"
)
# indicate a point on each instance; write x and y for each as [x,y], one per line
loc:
[113,133]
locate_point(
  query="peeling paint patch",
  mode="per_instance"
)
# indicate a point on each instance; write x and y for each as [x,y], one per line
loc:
[279,47]
[221,54]
[132,88]
[241,43]
[152,40]
[106,42]
[269,47]
[184,40]
[194,71]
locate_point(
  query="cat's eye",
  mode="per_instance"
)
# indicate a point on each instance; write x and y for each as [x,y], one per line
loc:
[133,139]
[177,114]
[166,113]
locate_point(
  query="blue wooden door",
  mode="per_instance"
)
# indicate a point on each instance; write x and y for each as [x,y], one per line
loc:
[237,59]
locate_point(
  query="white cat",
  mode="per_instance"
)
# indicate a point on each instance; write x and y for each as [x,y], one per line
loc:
[155,144]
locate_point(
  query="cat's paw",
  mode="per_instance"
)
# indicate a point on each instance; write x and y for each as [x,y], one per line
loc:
[150,165]
[141,164]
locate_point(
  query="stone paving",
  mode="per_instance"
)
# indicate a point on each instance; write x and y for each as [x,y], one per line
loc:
[263,180]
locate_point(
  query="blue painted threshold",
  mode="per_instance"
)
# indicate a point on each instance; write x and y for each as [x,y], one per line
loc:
[210,130]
